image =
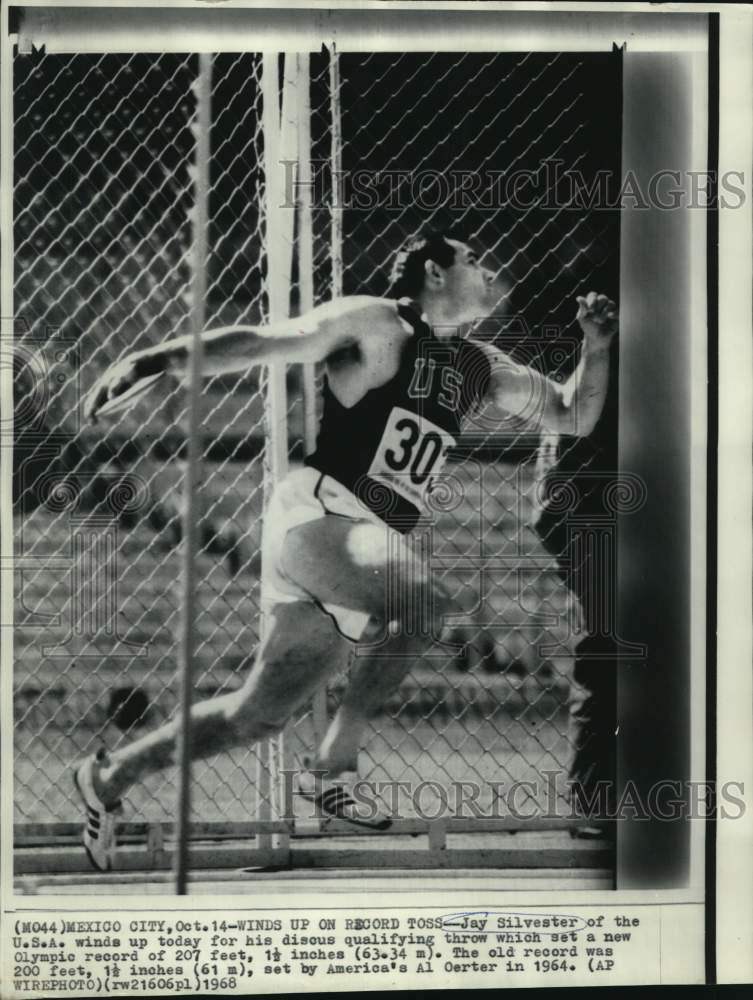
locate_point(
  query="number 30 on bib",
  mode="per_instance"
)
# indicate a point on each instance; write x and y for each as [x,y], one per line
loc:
[411,451]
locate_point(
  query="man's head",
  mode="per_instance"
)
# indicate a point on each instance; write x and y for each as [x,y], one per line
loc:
[444,275]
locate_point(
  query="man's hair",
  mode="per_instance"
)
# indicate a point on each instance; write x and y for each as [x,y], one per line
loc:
[408,271]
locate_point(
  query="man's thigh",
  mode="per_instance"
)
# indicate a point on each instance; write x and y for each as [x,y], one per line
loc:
[361,565]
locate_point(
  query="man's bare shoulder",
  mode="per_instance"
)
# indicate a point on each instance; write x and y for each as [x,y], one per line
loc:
[363,321]
[369,335]
[357,306]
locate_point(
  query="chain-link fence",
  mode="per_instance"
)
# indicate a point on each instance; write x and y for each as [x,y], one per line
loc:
[103,199]
[103,196]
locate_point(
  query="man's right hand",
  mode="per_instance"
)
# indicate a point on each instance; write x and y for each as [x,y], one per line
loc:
[120,377]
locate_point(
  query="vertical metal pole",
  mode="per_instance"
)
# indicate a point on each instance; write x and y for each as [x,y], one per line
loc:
[306,284]
[271,127]
[336,231]
[193,464]
[306,239]
[280,138]
[288,152]
[278,288]
[321,718]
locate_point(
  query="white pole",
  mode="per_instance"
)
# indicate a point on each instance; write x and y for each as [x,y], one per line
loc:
[306,239]
[280,144]
[286,210]
[276,257]
[201,129]
[274,384]
[320,715]
[306,286]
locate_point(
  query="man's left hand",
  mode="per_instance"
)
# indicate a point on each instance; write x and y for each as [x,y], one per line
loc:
[597,315]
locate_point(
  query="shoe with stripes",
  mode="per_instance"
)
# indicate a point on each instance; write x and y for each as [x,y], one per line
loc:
[334,800]
[99,827]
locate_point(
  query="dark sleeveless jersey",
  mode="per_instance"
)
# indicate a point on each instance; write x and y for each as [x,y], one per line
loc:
[390,447]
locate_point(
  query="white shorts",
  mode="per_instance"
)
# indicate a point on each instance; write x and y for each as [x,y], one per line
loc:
[306,495]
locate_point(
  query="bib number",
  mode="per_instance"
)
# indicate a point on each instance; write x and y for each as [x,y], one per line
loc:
[411,451]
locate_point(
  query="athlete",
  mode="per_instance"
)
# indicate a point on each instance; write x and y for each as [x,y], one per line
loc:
[338,568]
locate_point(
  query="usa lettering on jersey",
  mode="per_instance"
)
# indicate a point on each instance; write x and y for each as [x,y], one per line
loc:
[450,382]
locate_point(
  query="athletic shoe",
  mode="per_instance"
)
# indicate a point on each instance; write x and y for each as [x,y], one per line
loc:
[99,830]
[334,800]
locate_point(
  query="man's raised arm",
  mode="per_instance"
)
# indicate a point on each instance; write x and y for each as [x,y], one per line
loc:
[572,407]
[322,331]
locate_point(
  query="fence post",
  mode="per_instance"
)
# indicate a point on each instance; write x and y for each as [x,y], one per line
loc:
[306,288]
[280,141]
[202,123]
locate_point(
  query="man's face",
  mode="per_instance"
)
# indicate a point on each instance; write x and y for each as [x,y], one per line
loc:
[471,287]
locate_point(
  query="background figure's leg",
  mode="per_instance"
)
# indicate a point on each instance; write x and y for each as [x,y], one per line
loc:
[373,679]
[301,648]
[593,720]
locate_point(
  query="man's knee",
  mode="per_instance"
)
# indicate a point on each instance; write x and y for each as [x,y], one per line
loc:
[433,604]
[420,611]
